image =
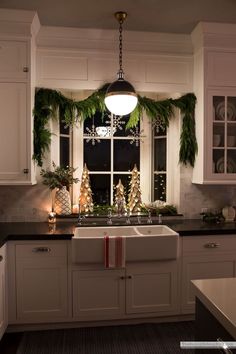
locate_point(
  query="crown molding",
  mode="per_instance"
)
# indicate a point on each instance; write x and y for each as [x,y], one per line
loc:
[19,23]
[214,35]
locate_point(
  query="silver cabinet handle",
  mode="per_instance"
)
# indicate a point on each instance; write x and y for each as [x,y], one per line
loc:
[41,249]
[1,258]
[212,245]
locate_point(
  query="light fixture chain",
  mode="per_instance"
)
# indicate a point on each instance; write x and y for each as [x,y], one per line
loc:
[121,73]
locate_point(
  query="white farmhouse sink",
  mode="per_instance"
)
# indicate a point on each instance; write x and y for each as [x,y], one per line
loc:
[143,243]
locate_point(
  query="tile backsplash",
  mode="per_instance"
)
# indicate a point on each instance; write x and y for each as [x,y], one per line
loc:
[32,203]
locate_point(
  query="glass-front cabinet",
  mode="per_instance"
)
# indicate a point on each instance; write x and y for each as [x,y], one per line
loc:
[222,150]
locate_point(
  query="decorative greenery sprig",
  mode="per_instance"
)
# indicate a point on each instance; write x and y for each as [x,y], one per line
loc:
[48,102]
[59,177]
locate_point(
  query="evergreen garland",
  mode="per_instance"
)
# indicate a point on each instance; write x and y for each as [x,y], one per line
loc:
[48,102]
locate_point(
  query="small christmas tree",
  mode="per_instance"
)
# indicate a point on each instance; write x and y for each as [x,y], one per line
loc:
[85,198]
[120,203]
[134,200]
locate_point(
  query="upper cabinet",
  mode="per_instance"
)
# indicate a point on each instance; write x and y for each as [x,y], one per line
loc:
[17,84]
[215,88]
[13,60]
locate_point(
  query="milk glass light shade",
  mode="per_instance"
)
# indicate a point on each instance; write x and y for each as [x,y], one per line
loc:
[121,98]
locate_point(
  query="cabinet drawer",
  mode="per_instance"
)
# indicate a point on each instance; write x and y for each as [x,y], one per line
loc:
[206,244]
[41,250]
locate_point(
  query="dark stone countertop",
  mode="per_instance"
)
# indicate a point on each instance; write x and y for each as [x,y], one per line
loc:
[64,230]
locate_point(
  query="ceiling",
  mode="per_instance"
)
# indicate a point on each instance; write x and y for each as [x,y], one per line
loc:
[171,16]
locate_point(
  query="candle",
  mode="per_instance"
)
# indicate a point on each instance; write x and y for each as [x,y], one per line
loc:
[75,209]
[52,217]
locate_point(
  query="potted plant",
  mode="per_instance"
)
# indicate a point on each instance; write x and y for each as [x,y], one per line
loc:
[61,178]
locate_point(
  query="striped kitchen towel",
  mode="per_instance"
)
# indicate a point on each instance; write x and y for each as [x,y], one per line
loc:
[114,251]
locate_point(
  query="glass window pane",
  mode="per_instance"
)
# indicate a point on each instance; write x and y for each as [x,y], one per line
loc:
[97,157]
[160,154]
[160,186]
[126,155]
[119,123]
[100,185]
[63,129]
[64,151]
[219,108]
[99,120]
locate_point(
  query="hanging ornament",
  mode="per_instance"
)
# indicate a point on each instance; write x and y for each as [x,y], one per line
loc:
[92,134]
[134,200]
[136,135]
[85,198]
[115,121]
[158,125]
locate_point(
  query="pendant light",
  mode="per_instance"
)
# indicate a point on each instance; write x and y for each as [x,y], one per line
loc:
[120,98]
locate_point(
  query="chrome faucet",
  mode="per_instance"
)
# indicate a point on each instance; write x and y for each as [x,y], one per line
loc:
[80,216]
[149,219]
[109,217]
[128,222]
[138,219]
[159,219]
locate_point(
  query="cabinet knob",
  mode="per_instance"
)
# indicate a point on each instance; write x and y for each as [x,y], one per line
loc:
[129,277]
[122,277]
[25,69]
[26,170]
[1,258]
[212,245]
[41,249]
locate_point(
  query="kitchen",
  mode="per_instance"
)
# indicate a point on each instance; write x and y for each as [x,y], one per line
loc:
[65,59]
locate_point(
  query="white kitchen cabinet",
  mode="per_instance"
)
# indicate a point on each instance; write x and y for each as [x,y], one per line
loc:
[14,164]
[13,60]
[142,288]
[152,288]
[98,293]
[3,291]
[17,83]
[41,282]
[205,257]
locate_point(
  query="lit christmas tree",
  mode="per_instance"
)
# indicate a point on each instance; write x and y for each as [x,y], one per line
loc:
[120,203]
[85,198]
[134,200]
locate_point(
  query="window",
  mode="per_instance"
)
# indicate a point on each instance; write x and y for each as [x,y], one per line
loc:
[110,157]
[110,152]
[159,164]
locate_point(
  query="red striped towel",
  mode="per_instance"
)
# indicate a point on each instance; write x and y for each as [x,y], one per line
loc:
[114,251]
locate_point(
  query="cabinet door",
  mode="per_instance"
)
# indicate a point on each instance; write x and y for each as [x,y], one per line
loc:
[3,299]
[41,282]
[203,267]
[13,61]
[221,158]
[152,288]
[98,294]
[13,133]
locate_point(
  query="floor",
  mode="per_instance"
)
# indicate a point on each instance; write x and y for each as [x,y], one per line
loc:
[137,339]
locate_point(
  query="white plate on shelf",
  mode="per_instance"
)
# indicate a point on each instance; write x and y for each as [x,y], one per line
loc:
[220,111]
[231,165]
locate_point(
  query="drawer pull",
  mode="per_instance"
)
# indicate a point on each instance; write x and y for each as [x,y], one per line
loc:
[212,245]
[25,69]
[41,249]
[1,258]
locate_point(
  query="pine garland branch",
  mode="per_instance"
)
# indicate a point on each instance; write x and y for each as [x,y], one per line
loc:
[48,102]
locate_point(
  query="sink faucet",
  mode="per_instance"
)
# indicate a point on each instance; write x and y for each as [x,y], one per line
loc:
[159,219]
[80,217]
[109,216]
[138,219]
[128,222]
[149,219]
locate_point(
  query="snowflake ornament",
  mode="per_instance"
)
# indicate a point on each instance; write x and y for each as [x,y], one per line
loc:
[92,135]
[158,125]
[117,122]
[136,135]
